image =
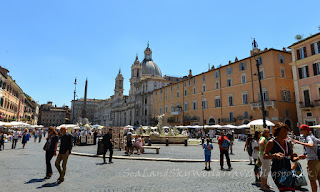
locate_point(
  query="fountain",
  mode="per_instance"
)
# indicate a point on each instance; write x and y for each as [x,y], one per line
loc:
[159,136]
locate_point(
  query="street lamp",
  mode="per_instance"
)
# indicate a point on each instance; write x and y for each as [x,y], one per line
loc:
[202,113]
[255,47]
[74,98]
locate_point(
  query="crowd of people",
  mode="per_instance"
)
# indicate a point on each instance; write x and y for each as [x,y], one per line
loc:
[274,154]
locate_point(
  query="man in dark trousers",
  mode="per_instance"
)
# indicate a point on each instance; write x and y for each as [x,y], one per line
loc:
[224,143]
[65,150]
[107,144]
[95,137]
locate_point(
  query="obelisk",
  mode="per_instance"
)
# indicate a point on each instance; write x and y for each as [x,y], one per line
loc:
[84,112]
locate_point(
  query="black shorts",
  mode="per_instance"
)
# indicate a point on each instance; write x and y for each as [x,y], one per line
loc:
[129,145]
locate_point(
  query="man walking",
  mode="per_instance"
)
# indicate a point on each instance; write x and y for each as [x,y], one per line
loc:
[40,135]
[107,145]
[15,139]
[311,147]
[231,139]
[224,143]
[65,150]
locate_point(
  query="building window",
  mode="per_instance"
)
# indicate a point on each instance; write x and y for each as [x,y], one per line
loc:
[203,88]
[160,110]
[189,82]
[185,92]
[171,88]
[217,74]
[171,96]
[282,73]
[194,90]
[171,107]
[246,115]
[229,70]
[231,116]
[177,86]
[259,60]
[315,48]
[156,99]
[245,98]
[194,80]
[243,78]
[242,66]
[217,102]
[229,82]
[261,74]
[301,53]
[230,100]
[204,104]
[185,83]
[217,85]
[287,113]
[178,94]
[280,58]
[286,95]
[303,72]
[203,78]
[185,106]
[194,105]
[160,90]
[265,96]
[309,114]
[166,109]
[316,69]
[156,92]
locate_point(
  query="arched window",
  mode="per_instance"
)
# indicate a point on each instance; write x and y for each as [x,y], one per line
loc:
[212,121]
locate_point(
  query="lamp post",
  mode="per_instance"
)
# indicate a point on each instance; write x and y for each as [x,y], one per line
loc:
[202,113]
[255,47]
[74,98]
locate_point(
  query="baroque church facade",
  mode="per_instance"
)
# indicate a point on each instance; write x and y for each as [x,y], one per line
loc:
[136,108]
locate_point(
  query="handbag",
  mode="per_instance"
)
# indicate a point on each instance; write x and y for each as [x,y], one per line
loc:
[300,179]
[258,162]
[286,177]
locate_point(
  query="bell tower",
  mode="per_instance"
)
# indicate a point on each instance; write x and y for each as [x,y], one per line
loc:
[118,90]
[136,73]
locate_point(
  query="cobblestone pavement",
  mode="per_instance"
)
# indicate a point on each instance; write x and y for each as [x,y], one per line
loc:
[23,170]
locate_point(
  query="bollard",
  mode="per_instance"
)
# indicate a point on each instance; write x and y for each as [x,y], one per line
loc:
[149,142]
[186,142]
[167,142]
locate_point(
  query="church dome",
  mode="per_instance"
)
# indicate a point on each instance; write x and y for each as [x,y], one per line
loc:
[150,68]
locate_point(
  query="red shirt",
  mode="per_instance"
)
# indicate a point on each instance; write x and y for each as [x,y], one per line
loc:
[220,141]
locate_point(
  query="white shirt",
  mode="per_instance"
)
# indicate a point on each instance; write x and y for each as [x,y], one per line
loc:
[15,135]
[255,152]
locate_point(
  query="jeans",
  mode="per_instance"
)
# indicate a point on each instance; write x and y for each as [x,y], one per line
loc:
[49,155]
[105,151]
[64,159]
[14,143]
[226,153]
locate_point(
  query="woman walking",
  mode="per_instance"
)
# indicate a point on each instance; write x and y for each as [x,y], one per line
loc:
[25,137]
[265,163]
[248,147]
[255,156]
[51,148]
[279,150]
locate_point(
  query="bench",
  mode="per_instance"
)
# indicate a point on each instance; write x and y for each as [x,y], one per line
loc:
[150,147]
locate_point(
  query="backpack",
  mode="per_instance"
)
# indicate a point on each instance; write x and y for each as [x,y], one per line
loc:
[315,142]
[225,143]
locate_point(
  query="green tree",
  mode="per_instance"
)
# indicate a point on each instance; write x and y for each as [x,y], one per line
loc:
[298,37]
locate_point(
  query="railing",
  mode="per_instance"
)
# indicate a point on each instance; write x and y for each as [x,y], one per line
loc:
[176,111]
[306,105]
[266,104]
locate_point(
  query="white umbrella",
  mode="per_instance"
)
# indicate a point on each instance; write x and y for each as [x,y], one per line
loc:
[260,122]
[229,126]
[214,126]
[243,126]
[315,126]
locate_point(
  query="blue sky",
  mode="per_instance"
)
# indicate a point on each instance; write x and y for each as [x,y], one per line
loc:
[46,44]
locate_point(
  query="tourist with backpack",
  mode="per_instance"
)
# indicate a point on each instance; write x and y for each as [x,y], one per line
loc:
[224,144]
[248,147]
[311,150]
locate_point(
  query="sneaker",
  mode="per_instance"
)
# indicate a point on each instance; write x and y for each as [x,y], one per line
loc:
[209,169]
[205,168]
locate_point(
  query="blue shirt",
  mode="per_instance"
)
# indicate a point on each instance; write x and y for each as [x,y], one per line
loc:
[206,150]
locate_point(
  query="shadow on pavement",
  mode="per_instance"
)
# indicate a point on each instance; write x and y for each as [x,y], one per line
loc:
[54,184]
[34,181]
[101,163]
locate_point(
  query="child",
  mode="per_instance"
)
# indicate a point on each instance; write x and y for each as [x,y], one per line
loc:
[207,153]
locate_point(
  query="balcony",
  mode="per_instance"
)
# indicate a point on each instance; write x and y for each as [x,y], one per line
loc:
[266,104]
[176,111]
[306,105]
